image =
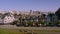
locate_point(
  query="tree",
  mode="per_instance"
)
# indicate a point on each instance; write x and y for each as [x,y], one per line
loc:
[58,13]
[7,13]
[43,15]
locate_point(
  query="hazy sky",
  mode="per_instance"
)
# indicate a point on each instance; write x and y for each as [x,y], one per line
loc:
[51,5]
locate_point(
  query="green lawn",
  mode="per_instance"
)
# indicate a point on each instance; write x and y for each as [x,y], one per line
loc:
[9,31]
[25,31]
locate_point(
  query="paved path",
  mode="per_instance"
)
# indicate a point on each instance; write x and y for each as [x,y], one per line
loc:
[34,28]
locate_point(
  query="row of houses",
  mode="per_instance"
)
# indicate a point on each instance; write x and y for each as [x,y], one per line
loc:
[35,16]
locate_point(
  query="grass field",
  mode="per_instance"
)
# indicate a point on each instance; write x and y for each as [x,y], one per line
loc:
[8,29]
[25,31]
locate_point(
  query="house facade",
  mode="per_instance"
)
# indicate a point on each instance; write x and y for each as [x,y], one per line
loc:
[51,19]
[9,19]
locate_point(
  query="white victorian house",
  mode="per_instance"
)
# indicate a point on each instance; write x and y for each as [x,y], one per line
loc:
[9,19]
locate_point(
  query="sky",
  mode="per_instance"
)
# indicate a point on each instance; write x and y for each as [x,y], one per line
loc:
[43,5]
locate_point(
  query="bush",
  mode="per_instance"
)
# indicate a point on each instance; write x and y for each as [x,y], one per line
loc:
[51,24]
[58,23]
